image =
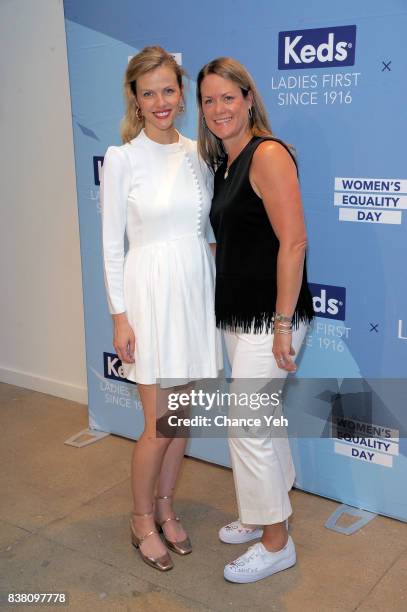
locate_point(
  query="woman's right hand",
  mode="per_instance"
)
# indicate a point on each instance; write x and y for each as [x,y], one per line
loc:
[124,340]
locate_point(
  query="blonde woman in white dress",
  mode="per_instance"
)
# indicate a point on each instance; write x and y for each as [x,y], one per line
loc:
[156,190]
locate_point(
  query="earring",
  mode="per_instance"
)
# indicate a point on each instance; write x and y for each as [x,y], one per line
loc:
[250,113]
[139,114]
[181,108]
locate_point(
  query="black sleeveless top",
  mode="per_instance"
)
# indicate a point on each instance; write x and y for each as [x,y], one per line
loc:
[246,251]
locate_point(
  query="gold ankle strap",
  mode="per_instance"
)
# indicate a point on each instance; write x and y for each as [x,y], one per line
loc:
[150,533]
[142,514]
[171,518]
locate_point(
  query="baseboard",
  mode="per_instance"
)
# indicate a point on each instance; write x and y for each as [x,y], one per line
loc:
[44,385]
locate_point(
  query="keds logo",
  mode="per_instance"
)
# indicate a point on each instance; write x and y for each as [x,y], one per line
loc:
[113,369]
[329,301]
[318,48]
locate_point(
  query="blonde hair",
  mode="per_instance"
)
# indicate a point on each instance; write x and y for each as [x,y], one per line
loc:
[146,60]
[210,147]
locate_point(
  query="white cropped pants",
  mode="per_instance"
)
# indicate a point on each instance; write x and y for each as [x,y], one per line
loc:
[263,469]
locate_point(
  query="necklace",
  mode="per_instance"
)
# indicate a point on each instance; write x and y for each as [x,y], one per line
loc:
[229,165]
[225,176]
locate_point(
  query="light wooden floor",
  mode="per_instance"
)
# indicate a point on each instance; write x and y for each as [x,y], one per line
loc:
[64,516]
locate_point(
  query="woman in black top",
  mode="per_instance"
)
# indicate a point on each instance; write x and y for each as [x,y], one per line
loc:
[262,302]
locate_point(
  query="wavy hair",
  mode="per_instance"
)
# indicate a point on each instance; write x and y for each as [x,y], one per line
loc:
[210,147]
[146,60]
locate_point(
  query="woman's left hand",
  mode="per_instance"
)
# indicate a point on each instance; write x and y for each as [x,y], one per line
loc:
[283,352]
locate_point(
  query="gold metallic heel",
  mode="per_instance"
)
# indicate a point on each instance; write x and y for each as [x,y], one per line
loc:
[163,563]
[182,547]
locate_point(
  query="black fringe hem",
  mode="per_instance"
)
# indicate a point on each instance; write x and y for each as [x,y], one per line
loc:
[257,322]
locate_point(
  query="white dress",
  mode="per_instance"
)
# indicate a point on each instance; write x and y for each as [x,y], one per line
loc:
[160,196]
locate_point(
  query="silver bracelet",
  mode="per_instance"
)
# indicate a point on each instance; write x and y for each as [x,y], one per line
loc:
[278,317]
[282,324]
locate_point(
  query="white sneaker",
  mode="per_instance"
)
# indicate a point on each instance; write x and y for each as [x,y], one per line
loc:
[258,563]
[236,533]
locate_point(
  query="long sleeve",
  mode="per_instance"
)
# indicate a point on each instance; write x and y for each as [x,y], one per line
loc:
[114,189]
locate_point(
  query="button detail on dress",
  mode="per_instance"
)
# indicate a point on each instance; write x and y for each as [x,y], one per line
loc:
[199,194]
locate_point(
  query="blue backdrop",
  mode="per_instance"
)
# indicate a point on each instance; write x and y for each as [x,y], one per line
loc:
[333,80]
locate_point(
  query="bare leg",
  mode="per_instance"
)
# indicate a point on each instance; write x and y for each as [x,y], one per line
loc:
[169,473]
[275,536]
[148,455]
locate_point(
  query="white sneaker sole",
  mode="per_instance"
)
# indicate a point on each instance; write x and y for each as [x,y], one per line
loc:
[241,578]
